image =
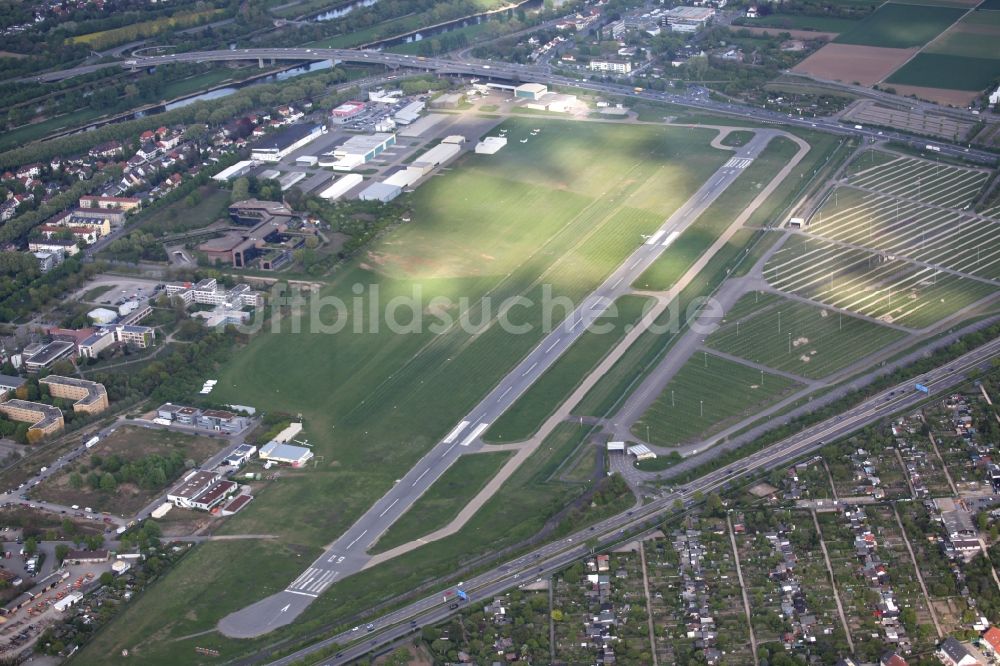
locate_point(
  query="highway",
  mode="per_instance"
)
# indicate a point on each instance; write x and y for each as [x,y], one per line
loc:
[557,555]
[697,99]
[347,555]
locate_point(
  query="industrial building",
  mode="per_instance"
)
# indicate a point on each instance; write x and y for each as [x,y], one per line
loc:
[641,452]
[275,147]
[688,19]
[201,490]
[276,451]
[409,113]
[491,145]
[43,419]
[405,178]
[346,111]
[383,192]
[341,186]
[447,101]
[209,419]
[360,149]
[438,155]
[235,171]
[289,180]
[89,397]
[240,455]
[532,91]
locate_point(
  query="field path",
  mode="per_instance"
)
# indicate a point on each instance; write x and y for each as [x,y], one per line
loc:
[563,412]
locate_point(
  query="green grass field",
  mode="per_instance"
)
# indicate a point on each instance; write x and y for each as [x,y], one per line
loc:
[641,357]
[176,612]
[900,26]
[798,22]
[705,396]
[181,216]
[691,244]
[529,412]
[796,337]
[940,70]
[563,209]
[443,500]
[975,36]
[91,294]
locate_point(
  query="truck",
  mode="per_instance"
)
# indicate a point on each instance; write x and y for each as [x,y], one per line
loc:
[934,148]
[92,441]
[922,388]
[858,127]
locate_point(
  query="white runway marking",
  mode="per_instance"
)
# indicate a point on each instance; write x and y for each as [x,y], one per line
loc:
[356,540]
[388,507]
[670,239]
[526,372]
[738,163]
[505,392]
[617,282]
[454,433]
[652,240]
[422,474]
[304,594]
[476,432]
[552,346]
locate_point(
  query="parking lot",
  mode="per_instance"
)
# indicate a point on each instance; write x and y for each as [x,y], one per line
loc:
[120,289]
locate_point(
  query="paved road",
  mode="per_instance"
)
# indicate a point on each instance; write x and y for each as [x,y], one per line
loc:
[556,555]
[20,495]
[347,555]
[696,98]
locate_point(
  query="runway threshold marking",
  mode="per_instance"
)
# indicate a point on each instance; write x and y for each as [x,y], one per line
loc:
[654,239]
[670,239]
[454,433]
[476,432]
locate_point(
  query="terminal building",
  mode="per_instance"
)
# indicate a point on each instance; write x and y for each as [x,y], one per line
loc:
[276,147]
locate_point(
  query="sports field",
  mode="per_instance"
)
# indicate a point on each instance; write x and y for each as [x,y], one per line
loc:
[942,70]
[951,239]
[563,209]
[799,338]
[876,285]
[923,180]
[900,26]
[705,396]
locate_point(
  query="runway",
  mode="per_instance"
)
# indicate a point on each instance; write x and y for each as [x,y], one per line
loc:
[347,554]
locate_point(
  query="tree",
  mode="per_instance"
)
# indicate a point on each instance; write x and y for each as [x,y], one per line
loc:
[30,546]
[107,578]
[94,541]
[241,189]
[75,481]
[62,550]
[108,483]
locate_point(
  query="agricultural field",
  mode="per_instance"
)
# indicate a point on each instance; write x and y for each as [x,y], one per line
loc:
[707,394]
[901,26]
[975,36]
[944,70]
[800,338]
[802,22]
[872,284]
[922,180]
[952,240]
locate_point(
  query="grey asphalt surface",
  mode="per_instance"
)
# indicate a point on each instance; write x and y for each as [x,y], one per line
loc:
[556,555]
[347,555]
